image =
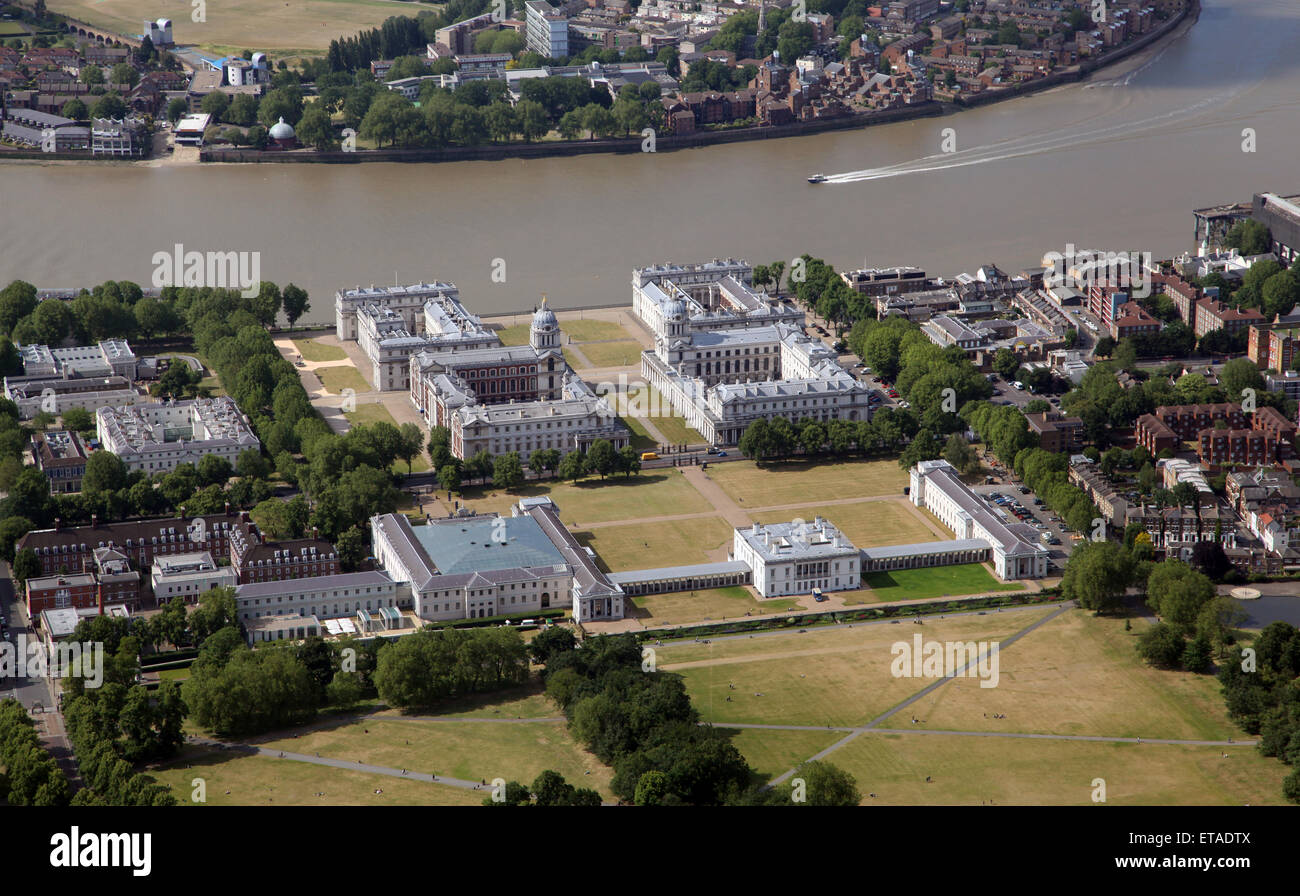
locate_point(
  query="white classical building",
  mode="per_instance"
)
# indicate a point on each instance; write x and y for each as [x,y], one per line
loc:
[389,343]
[714,295]
[1016,550]
[478,566]
[189,576]
[408,301]
[512,398]
[324,597]
[724,368]
[160,437]
[798,557]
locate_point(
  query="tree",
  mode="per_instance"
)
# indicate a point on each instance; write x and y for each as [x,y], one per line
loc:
[1177,592]
[105,472]
[78,420]
[215,104]
[1249,237]
[75,109]
[508,471]
[314,128]
[286,103]
[1238,375]
[353,549]
[602,458]
[26,565]
[214,470]
[110,105]
[449,477]
[295,303]
[573,466]
[1162,645]
[410,443]
[1097,576]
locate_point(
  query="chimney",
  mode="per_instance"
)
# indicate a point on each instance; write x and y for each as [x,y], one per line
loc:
[58,524]
[227,508]
[315,532]
[94,521]
[100,589]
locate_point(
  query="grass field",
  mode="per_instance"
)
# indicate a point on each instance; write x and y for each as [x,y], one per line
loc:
[677,432]
[835,676]
[370,413]
[248,24]
[13,29]
[866,524]
[343,376]
[584,330]
[795,483]
[666,543]
[1081,675]
[516,335]
[641,438]
[698,606]
[263,781]
[937,581]
[470,750]
[771,753]
[623,353]
[311,350]
[968,771]
[652,493]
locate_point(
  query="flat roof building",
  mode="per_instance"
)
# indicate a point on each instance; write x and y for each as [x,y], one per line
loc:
[161,437]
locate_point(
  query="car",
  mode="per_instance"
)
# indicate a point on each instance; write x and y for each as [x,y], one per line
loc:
[903,404]
[1024,489]
[722,454]
[1018,385]
[649,455]
[866,369]
[714,449]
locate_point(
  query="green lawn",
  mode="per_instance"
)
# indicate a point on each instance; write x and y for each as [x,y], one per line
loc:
[970,771]
[623,353]
[373,412]
[666,543]
[313,350]
[824,676]
[771,753]
[1081,674]
[936,581]
[800,481]
[241,780]
[641,438]
[700,606]
[515,335]
[652,493]
[470,750]
[592,330]
[343,376]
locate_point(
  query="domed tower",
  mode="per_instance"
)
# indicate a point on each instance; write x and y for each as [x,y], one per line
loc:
[675,323]
[544,335]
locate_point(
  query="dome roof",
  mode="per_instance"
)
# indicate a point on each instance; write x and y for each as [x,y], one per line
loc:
[544,317]
[676,310]
[281,130]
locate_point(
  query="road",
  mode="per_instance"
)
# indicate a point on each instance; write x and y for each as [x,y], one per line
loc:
[35,694]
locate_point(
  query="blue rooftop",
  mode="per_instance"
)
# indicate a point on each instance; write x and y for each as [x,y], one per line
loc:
[463,546]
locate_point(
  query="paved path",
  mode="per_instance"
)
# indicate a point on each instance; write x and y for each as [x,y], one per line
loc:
[728,509]
[1012,734]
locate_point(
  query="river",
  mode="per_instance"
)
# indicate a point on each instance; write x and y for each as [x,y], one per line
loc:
[1117,162]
